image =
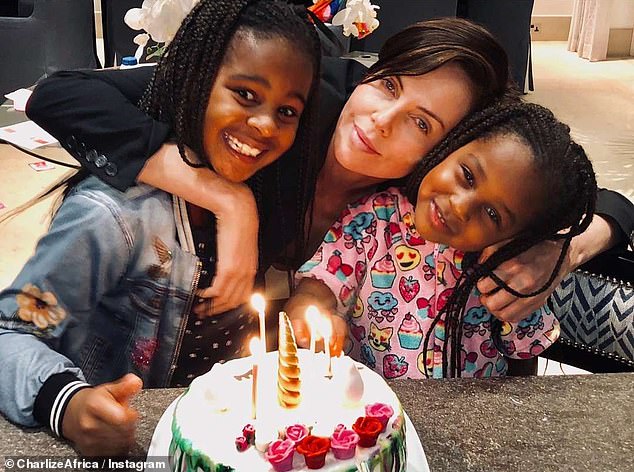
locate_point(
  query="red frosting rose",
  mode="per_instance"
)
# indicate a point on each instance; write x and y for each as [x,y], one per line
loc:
[368,429]
[280,454]
[242,444]
[380,411]
[344,442]
[314,450]
[249,433]
[296,432]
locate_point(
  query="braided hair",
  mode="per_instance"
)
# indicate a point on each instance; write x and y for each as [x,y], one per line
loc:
[188,70]
[569,187]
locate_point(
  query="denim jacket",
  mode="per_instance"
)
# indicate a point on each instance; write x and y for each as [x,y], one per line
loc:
[107,292]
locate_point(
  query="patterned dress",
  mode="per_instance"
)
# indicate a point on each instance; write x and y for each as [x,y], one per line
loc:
[390,284]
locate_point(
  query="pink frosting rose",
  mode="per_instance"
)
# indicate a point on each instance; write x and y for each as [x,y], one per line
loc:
[343,442]
[280,454]
[296,432]
[380,411]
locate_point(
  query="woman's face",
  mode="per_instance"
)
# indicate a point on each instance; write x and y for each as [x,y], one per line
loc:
[255,105]
[387,126]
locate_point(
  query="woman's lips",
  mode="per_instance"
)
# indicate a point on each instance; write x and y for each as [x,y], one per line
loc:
[362,140]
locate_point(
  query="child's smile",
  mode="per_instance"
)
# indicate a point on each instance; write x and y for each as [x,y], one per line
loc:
[481,194]
[255,105]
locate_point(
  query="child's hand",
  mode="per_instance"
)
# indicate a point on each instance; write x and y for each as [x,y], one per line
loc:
[339,333]
[99,421]
[525,273]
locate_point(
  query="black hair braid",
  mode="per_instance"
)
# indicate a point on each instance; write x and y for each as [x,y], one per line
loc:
[569,195]
[182,81]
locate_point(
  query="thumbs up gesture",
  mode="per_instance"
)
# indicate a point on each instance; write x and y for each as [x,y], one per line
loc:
[99,420]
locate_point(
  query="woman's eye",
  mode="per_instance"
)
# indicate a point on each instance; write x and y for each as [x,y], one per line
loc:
[422,125]
[389,85]
[468,176]
[493,215]
[288,112]
[246,94]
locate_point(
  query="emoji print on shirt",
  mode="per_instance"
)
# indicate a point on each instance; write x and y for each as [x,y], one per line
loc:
[382,305]
[407,257]
[379,338]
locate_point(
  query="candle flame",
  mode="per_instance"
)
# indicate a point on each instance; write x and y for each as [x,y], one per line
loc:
[254,346]
[257,301]
[325,326]
[312,315]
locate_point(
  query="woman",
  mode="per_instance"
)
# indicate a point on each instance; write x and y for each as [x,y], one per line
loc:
[427,79]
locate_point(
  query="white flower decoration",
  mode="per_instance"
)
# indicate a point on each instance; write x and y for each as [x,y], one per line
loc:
[358,18]
[159,18]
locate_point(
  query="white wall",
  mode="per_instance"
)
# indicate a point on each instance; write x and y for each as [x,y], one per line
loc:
[622,14]
[552,7]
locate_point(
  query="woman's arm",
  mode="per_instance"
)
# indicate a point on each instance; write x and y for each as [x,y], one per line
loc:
[95,117]
[612,226]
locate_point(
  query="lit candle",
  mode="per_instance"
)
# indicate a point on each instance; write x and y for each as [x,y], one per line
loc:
[325,329]
[255,348]
[257,301]
[312,318]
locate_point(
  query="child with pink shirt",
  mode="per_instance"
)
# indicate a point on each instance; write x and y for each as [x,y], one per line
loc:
[398,280]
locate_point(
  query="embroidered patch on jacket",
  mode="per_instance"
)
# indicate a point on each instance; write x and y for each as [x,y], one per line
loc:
[164,254]
[39,308]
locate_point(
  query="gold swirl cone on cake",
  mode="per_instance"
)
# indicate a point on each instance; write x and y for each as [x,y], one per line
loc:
[288,382]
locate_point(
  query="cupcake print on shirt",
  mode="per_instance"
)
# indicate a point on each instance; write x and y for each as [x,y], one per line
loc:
[410,335]
[383,272]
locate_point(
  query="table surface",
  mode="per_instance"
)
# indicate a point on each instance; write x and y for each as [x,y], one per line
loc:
[554,423]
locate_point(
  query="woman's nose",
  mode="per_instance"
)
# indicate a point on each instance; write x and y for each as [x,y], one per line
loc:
[383,119]
[264,123]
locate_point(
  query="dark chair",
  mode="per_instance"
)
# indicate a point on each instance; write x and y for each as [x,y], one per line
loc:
[396,15]
[53,35]
[117,36]
[509,22]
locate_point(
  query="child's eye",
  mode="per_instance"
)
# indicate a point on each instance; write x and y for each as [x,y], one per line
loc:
[495,217]
[288,112]
[246,94]
[468,175]
[389,85]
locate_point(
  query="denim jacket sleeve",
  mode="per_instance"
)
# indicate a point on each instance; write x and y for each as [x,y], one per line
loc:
[83,255]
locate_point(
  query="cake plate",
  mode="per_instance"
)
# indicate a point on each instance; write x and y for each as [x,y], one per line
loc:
[160,443]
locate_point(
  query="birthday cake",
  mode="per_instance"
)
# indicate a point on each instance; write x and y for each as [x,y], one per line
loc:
[308,415]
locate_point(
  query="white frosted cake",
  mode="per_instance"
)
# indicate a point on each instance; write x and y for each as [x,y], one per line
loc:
[335,422]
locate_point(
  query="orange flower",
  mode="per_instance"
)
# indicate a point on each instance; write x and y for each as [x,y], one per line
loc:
[39,308]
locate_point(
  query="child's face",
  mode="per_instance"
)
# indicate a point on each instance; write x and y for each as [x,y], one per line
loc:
[255,105]
[388,124]
[483,193]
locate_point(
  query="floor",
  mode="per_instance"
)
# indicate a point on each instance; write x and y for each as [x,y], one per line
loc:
[595,99]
